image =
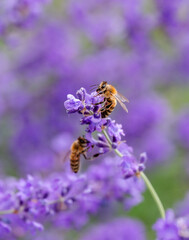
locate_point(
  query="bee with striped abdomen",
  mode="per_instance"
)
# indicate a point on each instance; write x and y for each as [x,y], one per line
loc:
[78,148]
[111,96]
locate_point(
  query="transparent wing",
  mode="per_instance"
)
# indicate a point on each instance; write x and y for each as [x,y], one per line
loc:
[122,104]
[65,157]
[121,97]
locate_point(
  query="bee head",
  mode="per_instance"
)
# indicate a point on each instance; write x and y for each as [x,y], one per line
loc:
[102,87]
[82,140]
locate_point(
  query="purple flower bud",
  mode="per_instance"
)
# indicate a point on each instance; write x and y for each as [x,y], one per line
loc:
[96,108]
[88,108]
[128,173]
[81,94]
[114,145]
[129,164]
[115,130]
[101,144]
[143,158]
[64,191]
[73,104]
[141,167]
[102,138]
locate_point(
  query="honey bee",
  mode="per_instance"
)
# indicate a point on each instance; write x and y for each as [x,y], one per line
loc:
[78,148]
[111,96]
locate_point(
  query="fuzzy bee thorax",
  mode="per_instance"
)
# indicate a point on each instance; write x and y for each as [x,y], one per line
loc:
[111,90]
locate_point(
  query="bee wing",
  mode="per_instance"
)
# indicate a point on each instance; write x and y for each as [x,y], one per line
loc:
[121,97]
[65,158]
[121,103]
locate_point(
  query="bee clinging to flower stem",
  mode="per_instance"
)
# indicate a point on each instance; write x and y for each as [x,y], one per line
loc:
[111,96]
[79,147]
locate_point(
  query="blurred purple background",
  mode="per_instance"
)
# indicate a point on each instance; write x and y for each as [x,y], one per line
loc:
[52,48]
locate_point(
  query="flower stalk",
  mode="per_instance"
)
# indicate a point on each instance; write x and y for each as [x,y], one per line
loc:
[146,180]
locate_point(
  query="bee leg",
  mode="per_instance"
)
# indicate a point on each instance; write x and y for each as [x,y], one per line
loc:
[106,106]
[96,155]
[99,103]
[85,150]
[91,158]
[98,94]
[85,156]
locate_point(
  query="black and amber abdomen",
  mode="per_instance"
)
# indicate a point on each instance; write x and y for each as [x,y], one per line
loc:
[75,157]
[74,162]
[109,107]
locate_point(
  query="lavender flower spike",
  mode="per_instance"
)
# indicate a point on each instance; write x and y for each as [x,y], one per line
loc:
[85,104]
[128,164]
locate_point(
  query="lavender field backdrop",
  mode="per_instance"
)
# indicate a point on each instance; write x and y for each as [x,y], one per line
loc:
[52,48]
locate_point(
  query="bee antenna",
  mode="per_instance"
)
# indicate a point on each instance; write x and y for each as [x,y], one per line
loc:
[92,89]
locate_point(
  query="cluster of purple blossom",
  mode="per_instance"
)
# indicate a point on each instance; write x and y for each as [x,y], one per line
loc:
[66,200]
[87,105]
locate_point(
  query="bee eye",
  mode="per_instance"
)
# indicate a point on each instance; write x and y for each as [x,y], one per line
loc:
[104,85]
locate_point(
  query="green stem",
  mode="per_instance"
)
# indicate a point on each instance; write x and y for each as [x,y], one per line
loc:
[154,195]
[146,180]
[107,137]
